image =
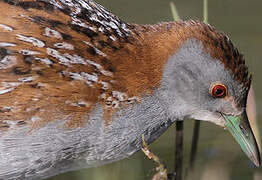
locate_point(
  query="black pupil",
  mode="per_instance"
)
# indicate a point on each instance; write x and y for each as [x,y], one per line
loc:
[219,92]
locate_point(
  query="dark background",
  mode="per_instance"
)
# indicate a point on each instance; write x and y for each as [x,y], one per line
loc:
[219,156]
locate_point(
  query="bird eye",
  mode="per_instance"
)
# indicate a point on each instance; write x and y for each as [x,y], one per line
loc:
[219,90]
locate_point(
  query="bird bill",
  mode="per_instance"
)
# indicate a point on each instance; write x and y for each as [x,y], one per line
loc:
[240,128]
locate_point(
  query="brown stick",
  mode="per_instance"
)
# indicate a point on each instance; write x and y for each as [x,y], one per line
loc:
[179,151]
[194,145]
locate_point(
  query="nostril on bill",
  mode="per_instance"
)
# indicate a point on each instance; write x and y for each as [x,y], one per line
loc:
[244,130]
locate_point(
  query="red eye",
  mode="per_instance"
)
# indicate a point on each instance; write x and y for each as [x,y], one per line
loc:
[219,90]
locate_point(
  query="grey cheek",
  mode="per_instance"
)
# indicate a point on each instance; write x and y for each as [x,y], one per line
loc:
[229,108]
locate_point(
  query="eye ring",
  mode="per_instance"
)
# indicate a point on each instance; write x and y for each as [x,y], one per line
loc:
[218,90]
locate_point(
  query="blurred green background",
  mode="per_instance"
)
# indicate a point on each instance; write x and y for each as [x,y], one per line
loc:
[219,156]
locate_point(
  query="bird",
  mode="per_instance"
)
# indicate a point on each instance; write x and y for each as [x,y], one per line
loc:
[79,87]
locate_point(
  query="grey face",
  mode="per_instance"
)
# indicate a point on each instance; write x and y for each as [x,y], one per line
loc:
[188,78]
[186,88]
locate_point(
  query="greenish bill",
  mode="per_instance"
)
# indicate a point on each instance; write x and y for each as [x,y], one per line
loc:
[240,128]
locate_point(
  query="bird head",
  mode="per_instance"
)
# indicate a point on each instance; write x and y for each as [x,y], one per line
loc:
[206,79]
